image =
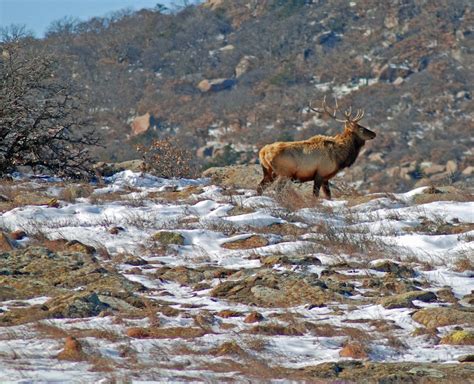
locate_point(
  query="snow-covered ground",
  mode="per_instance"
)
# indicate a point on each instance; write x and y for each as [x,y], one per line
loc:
[208,219]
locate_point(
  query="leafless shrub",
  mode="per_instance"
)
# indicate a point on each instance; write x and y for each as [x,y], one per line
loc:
[44,122]
[165,158]
[464,263]
[288,197]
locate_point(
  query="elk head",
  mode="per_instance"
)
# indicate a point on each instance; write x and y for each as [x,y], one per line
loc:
[351,123]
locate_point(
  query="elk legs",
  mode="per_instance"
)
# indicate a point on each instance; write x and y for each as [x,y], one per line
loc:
[326,189]
[318,183]
[267,179]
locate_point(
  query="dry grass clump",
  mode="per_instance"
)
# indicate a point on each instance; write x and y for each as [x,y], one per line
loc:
[72,350]
[176,195]
[463,264]
[353,200]
[275,329]
[284,229]
[343,240]
[228,348]
[249,366]
[165,333]
[433,194]
[251,242]
[288,197]
[226,313]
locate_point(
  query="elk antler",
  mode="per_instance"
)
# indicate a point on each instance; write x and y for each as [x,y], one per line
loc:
[326,110]
[348,113]
[359,115]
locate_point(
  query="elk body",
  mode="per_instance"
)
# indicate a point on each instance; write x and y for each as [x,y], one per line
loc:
[318,158]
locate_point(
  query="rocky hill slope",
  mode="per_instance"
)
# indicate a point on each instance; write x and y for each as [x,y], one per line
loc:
[226,77]
[142,278]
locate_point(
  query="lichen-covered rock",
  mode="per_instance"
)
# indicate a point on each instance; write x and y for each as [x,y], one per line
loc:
[405,300]
[459,337]
[396,269]
[191,276]
[37,271]
[75,306]
[270,288]
[439,317]
[168,238]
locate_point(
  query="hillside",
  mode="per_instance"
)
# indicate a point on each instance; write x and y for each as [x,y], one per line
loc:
[226,77]
[180,280]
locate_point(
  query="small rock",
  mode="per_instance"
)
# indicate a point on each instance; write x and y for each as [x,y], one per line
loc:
[228,348]
[398,270]
[466,359]
[439,317]
[77,246]
[459,337]
[424,371]
[53,203]
[440,177]
[168,238]
[253,317]
[405,300]
[135,261]
[215,85]
[205,320]
[5,243]
[227,48]
[18,235]
[398,81]
[433,169]
[354,350]
[116,230]
[468,171]
[244,65]
[140,124]
[72,350]
[228,313]
[169,188]
[390,21]
[84,306]
[451,166]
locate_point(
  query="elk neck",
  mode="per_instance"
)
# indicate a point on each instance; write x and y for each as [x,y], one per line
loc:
[348,148]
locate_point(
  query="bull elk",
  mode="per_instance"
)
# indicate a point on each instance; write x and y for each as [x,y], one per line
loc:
[318,158]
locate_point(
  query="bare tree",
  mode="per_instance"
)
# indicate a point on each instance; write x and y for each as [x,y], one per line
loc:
[43,120]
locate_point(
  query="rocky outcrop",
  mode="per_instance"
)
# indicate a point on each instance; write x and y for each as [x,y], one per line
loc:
[244,65]
[271,289]
[37,271]
[215,85]
[439,317]
[140,124]
[244,176]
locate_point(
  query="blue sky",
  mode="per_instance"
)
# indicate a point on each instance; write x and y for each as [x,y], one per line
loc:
[38,14]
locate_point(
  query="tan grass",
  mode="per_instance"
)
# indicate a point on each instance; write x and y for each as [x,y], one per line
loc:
[165,333]
[463,264]
[251,242]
